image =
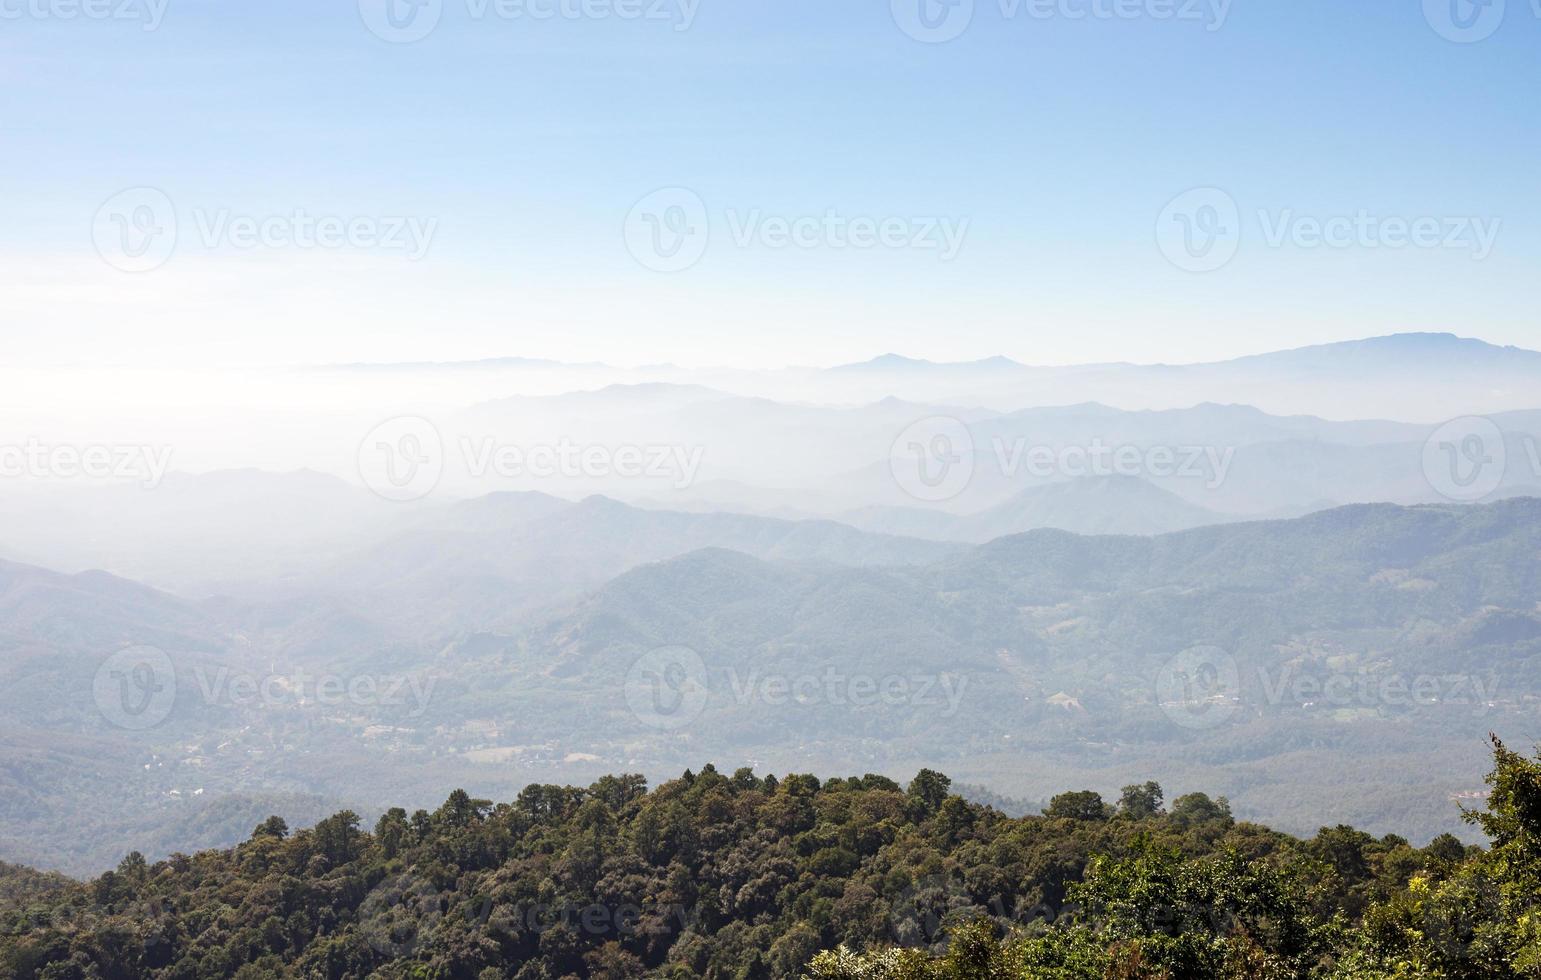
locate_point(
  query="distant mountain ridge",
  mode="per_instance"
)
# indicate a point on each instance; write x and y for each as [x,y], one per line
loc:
[1439,345]
[1417,377]
[1089,505]
[545,551]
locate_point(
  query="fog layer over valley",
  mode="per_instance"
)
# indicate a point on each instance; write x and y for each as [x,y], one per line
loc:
[868,569]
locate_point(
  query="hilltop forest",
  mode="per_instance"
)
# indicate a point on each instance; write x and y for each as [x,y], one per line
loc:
[741,877]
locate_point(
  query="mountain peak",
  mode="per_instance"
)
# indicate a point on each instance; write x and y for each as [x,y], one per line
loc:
[1441,348]
[886,362]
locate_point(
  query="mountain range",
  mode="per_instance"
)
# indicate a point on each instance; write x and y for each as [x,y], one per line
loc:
[1421,377]
[1028,663]
[1044,467]
[1236,575]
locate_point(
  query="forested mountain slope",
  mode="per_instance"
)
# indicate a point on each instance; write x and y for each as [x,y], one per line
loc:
[735,877]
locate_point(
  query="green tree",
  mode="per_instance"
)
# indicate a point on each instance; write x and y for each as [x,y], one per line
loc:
[273,826]
[929,790]
[1198,808]
[1080,805]
[1483,919]
[1141,801]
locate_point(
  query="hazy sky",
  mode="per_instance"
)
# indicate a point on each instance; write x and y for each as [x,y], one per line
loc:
[482,182]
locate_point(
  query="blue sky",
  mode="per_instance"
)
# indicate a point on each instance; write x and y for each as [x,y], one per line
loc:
[519,148]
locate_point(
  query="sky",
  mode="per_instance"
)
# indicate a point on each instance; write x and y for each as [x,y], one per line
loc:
[756,184]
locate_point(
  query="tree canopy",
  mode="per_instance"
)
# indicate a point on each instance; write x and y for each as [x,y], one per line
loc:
[846,878]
